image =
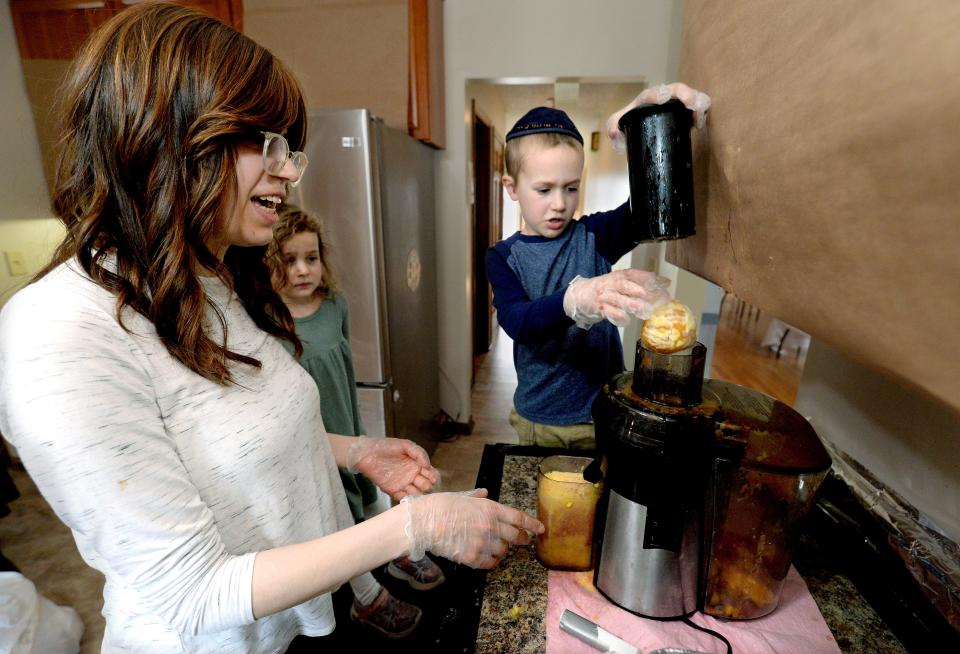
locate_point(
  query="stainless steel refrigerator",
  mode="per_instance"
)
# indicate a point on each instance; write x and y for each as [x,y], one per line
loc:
[372,185]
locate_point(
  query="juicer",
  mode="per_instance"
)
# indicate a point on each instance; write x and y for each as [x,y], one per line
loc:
[705,485]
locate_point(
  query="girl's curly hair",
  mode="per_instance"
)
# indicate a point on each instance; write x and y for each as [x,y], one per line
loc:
[293,221]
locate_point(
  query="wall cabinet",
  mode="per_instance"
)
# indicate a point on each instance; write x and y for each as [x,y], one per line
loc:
[55,29]
[307,36]
[49,34]
[425,104]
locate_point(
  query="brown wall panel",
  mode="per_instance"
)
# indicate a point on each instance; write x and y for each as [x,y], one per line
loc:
[345,53]
[828,178]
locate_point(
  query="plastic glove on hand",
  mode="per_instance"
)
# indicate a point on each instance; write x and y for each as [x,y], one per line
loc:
[399,466]
[614,297]
[696,101]
[465,527]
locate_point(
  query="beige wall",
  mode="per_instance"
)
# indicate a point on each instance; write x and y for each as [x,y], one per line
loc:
[346,53]
[35,239]
[534,38]
[21,173]
[842,286]
[907,441]
[490,102]
[26,225]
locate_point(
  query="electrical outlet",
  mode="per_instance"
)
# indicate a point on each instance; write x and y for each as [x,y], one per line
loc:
[16,262]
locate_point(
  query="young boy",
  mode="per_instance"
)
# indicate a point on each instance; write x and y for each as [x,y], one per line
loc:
[553,287]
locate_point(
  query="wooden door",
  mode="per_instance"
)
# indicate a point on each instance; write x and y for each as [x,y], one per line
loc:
[482,223]
[496,220]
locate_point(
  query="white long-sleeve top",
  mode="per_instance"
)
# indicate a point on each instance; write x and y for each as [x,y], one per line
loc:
[170,482]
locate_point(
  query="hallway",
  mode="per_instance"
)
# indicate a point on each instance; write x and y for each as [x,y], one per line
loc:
[491,400]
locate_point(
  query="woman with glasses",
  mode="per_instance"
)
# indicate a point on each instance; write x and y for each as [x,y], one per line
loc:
[142,377]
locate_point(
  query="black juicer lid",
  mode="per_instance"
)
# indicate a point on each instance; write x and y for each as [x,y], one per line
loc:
[643,420]
[667,396]
[660,404]
[765,433]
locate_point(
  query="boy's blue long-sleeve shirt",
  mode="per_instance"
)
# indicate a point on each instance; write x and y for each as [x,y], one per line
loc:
[560,367]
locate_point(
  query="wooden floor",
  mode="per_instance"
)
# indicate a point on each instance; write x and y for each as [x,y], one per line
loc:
[491,400]
[42,547]
[740,356]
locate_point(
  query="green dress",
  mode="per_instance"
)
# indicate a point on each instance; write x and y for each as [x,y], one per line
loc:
[327,357]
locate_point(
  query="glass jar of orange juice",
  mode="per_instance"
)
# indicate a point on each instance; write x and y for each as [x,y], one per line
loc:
[566,505]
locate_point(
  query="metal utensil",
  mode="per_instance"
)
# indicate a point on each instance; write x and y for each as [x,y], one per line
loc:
[599,638]
[593,634]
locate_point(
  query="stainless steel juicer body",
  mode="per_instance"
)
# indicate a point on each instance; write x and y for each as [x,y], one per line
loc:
[656,455]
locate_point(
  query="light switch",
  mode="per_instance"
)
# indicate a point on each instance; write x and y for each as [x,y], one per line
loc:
[16,262]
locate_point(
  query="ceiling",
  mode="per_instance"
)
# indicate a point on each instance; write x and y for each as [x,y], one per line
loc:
[595,98]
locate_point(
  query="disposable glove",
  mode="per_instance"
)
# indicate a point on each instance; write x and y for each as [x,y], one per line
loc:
[614,297]
[399,466]
[465,527]
[696,101]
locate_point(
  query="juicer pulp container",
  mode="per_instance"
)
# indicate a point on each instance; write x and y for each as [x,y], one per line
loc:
[768,466]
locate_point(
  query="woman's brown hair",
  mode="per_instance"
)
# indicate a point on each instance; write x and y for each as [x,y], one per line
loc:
[293,221]
[154,108]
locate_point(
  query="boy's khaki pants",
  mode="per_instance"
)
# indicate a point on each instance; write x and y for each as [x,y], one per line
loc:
[572,437]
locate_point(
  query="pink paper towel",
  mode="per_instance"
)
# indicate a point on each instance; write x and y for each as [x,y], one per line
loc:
[795,627]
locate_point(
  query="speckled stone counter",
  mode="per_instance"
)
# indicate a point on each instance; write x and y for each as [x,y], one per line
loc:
[515,595]
[514,610]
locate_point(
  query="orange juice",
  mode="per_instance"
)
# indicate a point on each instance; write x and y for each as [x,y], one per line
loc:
[566,505]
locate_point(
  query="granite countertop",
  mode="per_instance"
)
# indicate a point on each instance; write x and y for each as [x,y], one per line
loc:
[513,610]
[513,616]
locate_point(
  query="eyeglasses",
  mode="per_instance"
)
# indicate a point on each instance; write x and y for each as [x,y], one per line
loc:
[276,152]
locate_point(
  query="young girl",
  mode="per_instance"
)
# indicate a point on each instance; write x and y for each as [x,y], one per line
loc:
[303,277]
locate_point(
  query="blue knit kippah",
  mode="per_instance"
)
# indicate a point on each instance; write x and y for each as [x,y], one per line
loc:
[541,120]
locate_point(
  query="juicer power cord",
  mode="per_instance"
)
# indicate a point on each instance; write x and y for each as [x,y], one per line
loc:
[690,623]
[685,619]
